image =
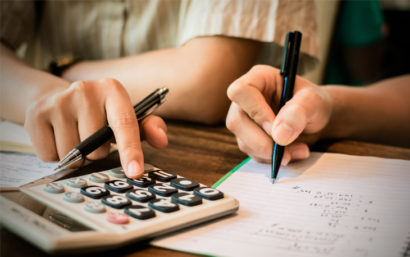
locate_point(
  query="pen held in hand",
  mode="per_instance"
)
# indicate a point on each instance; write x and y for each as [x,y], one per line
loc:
[142,109]
[288,71]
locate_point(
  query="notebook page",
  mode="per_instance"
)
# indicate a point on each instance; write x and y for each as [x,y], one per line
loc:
[19,169]
[328,205]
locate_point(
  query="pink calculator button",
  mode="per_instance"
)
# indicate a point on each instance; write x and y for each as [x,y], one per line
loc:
[117,218]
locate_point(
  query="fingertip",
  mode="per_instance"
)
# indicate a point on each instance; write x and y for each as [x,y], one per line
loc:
[134,170]
[283,133]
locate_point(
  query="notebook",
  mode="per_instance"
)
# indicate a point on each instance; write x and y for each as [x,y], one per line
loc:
[328,205]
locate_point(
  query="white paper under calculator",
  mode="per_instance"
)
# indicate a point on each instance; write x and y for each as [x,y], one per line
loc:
[328,205]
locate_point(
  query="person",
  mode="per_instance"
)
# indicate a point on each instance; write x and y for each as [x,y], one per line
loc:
[379,113]
[195,48]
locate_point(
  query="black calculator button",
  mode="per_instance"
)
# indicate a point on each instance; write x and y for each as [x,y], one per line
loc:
[94,192]
[116,201]
[184,184]
[161,175]
[208,193]
[186,199]
[139,212]
[141,182]
[162,189]
[163,205]
[118,186]
[140,195]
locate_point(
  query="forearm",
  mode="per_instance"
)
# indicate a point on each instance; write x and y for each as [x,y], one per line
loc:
[21,85]
[378,113]
[197,75]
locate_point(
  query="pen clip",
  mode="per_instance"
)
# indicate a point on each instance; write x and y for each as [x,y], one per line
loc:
[286,54]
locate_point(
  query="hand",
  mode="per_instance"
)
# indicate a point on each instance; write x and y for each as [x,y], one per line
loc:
[255,99]
[60,121]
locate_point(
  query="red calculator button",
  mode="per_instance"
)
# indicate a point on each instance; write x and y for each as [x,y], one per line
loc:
[117,218]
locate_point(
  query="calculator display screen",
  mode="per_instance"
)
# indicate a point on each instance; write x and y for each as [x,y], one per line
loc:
[47,213]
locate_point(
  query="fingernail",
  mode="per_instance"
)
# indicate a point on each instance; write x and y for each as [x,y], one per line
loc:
[267,126]
[283,134]
[285,159]
[133,169]
[300,153]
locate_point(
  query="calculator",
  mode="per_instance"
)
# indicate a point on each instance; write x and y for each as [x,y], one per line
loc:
[106,209]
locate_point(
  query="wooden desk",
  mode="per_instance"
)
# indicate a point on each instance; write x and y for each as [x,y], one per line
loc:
[202,153]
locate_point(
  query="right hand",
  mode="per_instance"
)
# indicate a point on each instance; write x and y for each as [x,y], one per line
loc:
[60,121]
[251,118]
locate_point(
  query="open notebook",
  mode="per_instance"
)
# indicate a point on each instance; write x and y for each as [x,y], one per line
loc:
[18,163]
[328,205]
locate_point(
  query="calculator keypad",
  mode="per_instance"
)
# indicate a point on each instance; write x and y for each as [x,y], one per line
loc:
[121,200]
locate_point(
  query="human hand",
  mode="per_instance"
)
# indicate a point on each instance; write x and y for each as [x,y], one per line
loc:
[251,117]
[60,121]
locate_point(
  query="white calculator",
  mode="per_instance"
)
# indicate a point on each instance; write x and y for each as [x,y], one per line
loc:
[106,209]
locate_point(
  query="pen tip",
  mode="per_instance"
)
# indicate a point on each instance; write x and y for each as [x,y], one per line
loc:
[273,180]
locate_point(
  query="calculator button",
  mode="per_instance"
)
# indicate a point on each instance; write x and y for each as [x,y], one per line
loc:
[209,193]
[141,182]
[117,218]
[161,175]
[140,195]
[99,177]
[117,173]
[186,199]
[94,207]
[162,189]
[73,197]
[118,186]
[54,188]
[94,192]
[76,182]
[116,201]
[184,184]
[139,212]
[163,205]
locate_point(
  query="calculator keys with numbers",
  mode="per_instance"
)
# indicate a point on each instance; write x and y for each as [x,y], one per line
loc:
[109,203]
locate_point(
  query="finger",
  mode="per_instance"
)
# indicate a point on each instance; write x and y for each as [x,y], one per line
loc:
[42,137]
[91,118]
[154,130]
[121,117]
[298,114]
[254,92]
[251,138]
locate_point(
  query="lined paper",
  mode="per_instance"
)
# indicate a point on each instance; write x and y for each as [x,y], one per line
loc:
[328,205]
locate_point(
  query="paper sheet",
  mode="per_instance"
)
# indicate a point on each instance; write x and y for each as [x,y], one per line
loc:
[19,169]
[328,205]
[14,138]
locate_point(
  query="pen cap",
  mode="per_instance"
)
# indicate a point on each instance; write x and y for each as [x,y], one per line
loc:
[291,52]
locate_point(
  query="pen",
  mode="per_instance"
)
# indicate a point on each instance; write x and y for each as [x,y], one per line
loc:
[142,109]
[288,71]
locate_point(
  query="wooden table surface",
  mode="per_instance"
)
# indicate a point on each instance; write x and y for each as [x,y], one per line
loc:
[202,153]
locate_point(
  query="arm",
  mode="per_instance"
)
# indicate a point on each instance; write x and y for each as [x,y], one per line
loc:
[196,73]
[378,113]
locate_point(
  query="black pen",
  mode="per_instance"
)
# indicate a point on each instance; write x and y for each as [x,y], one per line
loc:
[142,109]
[288,71]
